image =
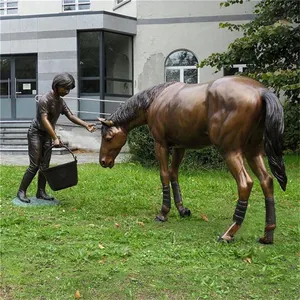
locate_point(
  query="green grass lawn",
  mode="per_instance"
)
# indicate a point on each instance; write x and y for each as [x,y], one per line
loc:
[103,241]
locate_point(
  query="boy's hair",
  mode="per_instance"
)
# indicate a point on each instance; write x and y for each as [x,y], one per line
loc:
[64,80]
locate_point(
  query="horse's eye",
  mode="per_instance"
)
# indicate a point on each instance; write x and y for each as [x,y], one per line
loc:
[109,138]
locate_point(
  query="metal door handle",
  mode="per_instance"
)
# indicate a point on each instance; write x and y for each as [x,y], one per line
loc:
[16,93]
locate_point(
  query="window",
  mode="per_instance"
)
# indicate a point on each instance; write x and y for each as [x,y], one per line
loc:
[118,64]
[105,71]
[181,66]
[89,64]
[119,3]
[237,68]
[8,7]
[71,5]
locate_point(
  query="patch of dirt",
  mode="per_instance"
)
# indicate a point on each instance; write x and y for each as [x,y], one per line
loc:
[6,293]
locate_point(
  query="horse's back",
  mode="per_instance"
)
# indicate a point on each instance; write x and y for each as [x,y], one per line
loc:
[178,116]
[226,112]
[234,111]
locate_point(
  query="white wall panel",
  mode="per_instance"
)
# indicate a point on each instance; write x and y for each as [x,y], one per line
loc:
[63,44]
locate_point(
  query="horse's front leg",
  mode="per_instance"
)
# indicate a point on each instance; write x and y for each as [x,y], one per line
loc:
[177,157]
[162,155]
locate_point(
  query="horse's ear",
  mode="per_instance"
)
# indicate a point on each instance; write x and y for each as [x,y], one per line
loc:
[108,123]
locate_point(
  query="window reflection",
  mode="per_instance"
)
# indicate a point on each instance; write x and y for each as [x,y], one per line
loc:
[172,75]
[26,67]
[190,76]
[118,64]
[181,58]
[115,64]
[90,86]
[89,54]
[4,68]
[118,87]
[118,56]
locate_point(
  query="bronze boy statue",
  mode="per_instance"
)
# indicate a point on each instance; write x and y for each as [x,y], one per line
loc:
[42,131]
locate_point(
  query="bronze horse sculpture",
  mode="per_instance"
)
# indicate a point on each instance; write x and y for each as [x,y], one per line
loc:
[238,115]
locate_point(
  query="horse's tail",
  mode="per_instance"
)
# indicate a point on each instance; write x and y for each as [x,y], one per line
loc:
[274,127]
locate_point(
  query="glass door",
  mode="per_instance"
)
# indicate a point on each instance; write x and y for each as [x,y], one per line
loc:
[25,86]
[18,87]
[5,88]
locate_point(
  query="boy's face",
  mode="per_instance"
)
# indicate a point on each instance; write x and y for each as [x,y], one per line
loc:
[61,91]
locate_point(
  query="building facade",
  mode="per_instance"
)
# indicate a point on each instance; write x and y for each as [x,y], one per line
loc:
[112,48]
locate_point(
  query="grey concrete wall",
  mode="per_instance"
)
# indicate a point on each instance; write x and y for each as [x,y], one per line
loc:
[54,39]
[164,9]
[165,26]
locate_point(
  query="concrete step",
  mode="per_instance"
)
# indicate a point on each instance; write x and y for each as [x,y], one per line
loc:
[13,146]
[24,150]
[14,130]
[15,124]
[13,137]
[9,136]
[13,143]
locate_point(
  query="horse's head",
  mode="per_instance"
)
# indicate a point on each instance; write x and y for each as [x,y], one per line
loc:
[113,139]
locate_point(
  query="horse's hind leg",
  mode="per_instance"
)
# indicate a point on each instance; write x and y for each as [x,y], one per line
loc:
[162,155]
[177,157]
[257,165]
[244,183]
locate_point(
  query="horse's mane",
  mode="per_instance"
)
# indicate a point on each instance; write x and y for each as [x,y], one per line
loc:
[141,101]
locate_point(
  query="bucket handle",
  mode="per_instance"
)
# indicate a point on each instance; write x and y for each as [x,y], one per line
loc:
[62,145]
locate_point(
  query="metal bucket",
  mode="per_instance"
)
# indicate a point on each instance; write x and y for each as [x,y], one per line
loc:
[62,176]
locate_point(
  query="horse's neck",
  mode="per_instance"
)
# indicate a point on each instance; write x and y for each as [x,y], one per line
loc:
[133,113]
[139,121]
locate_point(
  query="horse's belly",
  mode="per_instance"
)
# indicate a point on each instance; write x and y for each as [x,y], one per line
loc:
[189,142]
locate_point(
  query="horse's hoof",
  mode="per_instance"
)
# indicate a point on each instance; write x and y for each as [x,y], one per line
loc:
[266,241]
[185,212]
[228,239]
[161,218]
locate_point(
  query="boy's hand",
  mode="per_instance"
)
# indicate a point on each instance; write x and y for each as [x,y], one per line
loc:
[57,143]
[91,127]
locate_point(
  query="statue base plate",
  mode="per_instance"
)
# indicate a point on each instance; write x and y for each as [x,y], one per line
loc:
[35,202]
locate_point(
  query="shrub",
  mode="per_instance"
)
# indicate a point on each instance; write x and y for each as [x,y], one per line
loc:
[141,145]
[292,126]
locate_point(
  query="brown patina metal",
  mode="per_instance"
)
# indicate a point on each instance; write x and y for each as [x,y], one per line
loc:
[238,115]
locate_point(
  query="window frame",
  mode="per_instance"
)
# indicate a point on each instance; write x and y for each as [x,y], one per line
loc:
[116,79]
[117,5]
[5,8]
[181,68]
[76,4]
[102,63]
[102,78]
